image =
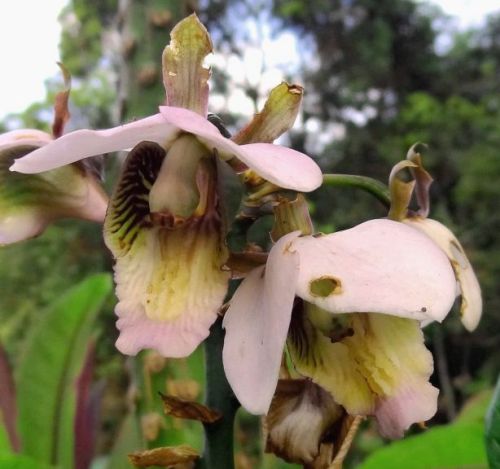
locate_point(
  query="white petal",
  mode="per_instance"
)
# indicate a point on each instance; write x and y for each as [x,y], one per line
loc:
[282,166]
[380,266]
[84,143]
[256,326]
[472,302]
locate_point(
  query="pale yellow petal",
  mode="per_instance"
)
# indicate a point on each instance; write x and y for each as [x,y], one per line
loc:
[170,283]
[368,362]
[472,302]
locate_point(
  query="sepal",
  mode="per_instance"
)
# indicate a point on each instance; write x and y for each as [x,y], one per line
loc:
[29,203]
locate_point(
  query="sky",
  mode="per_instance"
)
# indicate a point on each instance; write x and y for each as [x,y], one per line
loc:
[29,38]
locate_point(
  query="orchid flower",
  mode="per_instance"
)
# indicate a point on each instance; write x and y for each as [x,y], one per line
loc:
[401,194]
[350,304]
[164,224]
[28,203]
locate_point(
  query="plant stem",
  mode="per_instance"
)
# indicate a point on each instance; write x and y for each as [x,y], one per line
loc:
[444,375]
[219,396]
[376,188]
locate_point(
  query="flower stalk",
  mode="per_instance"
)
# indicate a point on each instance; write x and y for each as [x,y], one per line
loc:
[219,451]
[376,188]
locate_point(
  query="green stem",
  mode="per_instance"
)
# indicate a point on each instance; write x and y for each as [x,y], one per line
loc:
[219,451]
[376,188]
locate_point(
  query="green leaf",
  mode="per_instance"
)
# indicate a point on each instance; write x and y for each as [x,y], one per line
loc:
[4,440]
[475,408]
[49,368]
[444,447]
[129,440]
[20,461]
[8,408]
[493,429]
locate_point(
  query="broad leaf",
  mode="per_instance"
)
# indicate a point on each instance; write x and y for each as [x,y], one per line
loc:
[5,446]
[493,429]
[475,408]
[444,447]
[8,417]
[48,371]
[20,461]
[129,440]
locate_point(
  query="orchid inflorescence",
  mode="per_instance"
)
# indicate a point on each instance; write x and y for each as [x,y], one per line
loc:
[340,314]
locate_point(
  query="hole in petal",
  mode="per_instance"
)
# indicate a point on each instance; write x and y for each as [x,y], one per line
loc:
[325,286]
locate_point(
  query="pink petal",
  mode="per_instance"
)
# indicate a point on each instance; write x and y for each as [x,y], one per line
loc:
[256,326]
[84,143]
[380,266]
[416,402]
[282,166]
[173,339]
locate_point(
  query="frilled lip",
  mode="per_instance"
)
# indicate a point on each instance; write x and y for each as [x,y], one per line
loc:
[380,266]
[282,166]
[170,281]
[371,364]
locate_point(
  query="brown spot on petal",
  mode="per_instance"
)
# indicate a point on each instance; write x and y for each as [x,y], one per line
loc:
[325,286]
